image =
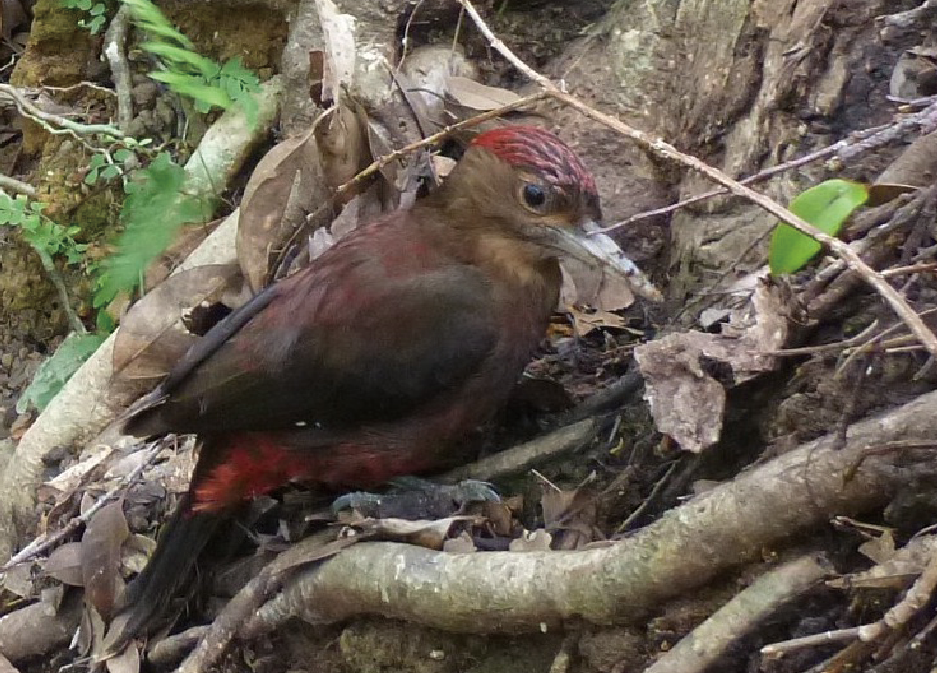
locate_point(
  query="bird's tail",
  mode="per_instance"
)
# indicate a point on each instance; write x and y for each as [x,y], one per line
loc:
[143,603]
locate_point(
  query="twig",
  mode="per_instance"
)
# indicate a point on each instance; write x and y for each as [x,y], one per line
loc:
[49,121]
[502,48]
[710,640]
[116,38]
[857,340]
[523,456]
[816,640]
[651,497]
[918,119]
[39,545]
[14,185]
[823,153]
[433,139]
[74,322]
[912,268]
[910,17]
[913,602]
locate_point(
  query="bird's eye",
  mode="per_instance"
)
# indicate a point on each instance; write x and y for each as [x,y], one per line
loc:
[535,196]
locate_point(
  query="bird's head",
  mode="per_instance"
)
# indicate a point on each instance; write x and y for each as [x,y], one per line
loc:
[526,183]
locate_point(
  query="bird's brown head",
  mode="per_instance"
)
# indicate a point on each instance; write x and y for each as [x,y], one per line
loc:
[523,178]
[527,188]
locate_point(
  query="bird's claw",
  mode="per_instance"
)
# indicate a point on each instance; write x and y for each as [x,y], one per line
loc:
[360,500]
[473,490]
[412,497]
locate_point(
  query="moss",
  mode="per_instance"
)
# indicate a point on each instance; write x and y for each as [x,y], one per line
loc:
[96,214]
[55,32]
[254,33]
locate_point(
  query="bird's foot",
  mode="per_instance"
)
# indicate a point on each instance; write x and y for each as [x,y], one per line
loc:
[415,498]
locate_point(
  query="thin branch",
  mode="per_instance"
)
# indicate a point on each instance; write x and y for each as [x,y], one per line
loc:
[815,640]
[823,153]
[53,123]
[116,40]
[710,641]
[502,48]
[910,17]
[435,138]
[74,322]
[14,185]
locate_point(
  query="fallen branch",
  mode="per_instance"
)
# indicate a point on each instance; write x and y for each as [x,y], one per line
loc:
[709,641]
[684,549]
[115,40]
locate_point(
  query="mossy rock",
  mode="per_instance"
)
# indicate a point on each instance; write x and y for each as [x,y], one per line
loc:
[59,52]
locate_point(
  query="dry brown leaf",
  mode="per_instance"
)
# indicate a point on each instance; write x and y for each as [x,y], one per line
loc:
[569,516]
[152,336]
[897,572]
[64,564]
[127,661]
[592,285]
[880,549]
[588,321]
[343,149]
[187,240]
[262,229]
[428,70]
[681,386]
[100,556]
[480,97]
[19,580]
[882,192]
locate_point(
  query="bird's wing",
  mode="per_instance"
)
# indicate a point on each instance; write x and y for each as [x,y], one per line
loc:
[368,335]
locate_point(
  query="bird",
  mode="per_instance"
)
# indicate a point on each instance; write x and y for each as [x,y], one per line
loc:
[370,362]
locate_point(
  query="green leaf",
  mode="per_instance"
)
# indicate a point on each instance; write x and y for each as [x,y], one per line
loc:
[826,206]
[168,32]
[153,211]
[91,177]
[122,155]
[110,172]
[204,66]
[54,373]
[104,323]
[194,87]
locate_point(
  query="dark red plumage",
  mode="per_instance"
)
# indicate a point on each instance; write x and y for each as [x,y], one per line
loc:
[368,363]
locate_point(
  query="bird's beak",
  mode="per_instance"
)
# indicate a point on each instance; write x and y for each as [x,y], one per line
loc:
[596,249]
